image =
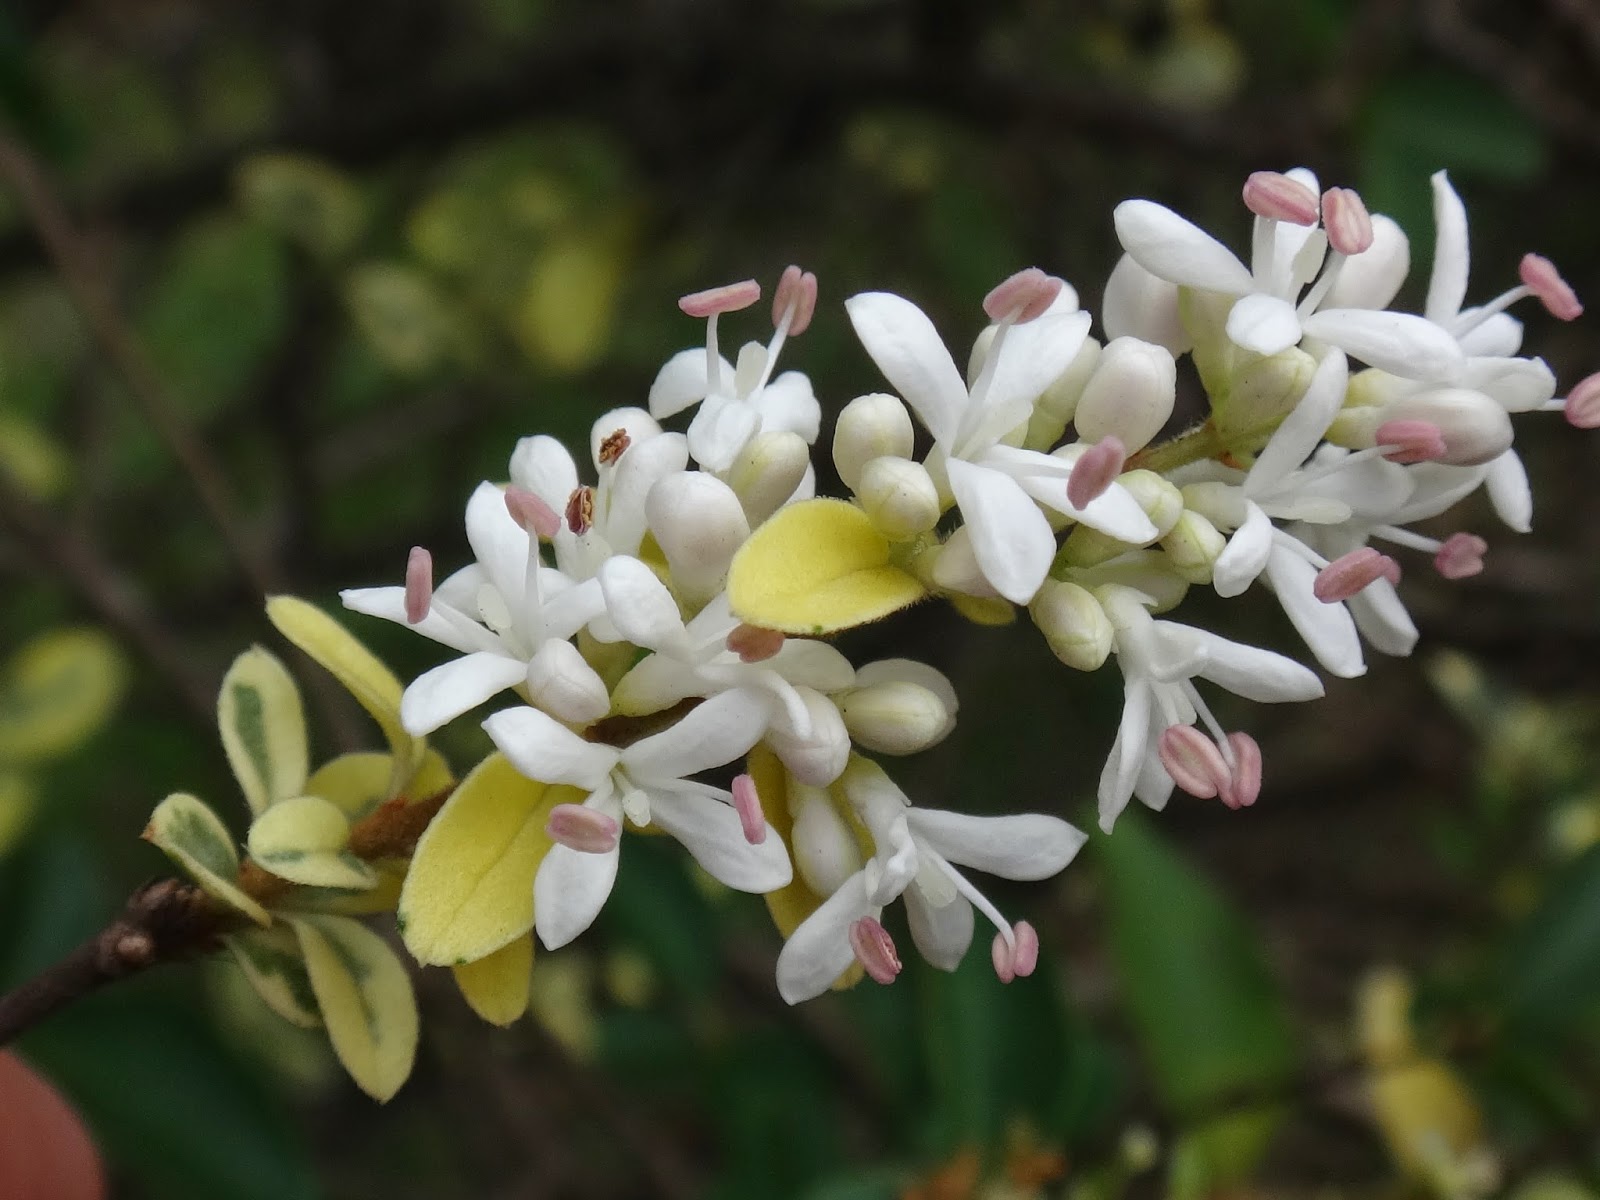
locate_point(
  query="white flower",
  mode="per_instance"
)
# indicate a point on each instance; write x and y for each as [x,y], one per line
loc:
[646,783]
[508,615]
[916,855]
[997,487]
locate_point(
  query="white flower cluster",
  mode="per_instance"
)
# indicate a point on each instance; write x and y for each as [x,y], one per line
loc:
[607,602]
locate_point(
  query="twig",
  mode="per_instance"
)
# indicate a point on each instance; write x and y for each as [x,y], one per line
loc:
[84,281]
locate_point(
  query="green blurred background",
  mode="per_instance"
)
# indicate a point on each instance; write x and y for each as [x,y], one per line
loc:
[356,250]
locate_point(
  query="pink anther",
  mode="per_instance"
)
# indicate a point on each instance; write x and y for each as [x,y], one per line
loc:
[1350,573]
[585,830]
[419,584]
[1015,954]
[1276,196]
[799,289]
[1461,556]
[1245,784]
[531,512]
[1539,276]
[1410,441]
[1193,760]
[1345,217]
[730,297]
[1096,469]
[580,509]
[753,644]
[1582,408]
[1023,296]
[874,949]
[747,803]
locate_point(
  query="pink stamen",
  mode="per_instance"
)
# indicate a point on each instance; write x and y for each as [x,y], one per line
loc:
[1410,441]
[1193,761]
[1025,955]
[1245,784]
[419,584]
[531,512]
[730,297]
[747,803]
[753,644]
[1277,197]
[874,949]
[1541,278]
[1461,556]
[798,288]
[1345,217]
[1583,403]
[1350,573]
[1002,955]
[1096,469]
[1023,296]
[585,830]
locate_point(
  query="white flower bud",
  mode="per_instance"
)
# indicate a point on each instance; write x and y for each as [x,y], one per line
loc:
[894,717]
[824,847]
[909,670]
[1374,387]
[1260,394]
[564,685]
[1372,278]
[899,497]
[1475,428]
[767,472]
[820,756]
[635,422]
[1130,395]
[698,523]
[1073,623]
[1159,497]
[870,427]
[1058,402]
[1193,547]
[1139,304]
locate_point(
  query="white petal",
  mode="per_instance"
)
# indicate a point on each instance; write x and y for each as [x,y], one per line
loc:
[1114,512]
[1025,846]
[1168,246]
[640,466]
[569,606]
[909,670]
[1245,555]
[788,405]
[450,689]
[721,428]
[1447,288]
[498,542]
[1507,481]
[1254,673]
[1127,755]
[1372,278]
[1264,324]
[908,350]
[713,733]
[1499,336]
[390,604]
[542,466]
[814,664]
[941,933]
[1139,304]
[639,425]
[641,607]
[1294,440]
[711,831]
[681,382]
[1328,629]
[542,748]
[957,570]
[655,683]
[1010,536]
[562,683]
[1383,620]
[569,891]
[818,751]
[1032,357]
[1399,343]
[1518,384]
[818,952]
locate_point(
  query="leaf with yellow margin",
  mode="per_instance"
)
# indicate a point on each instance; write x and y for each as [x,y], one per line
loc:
[271,960]
[366,1000]
[263,729]
[470,887]
[354,666]
[497,985]
[303,839]
[195,838]
[816,567]
[57,690]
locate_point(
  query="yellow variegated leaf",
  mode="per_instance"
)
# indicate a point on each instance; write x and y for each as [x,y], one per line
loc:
[497,985]
[366,1000]
[984,610]
[816,567]
[359,782]
[57,691]
[263,729]
[354,666]
[17,802]
[381,897]
[564,318]
[271,961]
[470,887]
[195,838]
[303,839]
[31,458]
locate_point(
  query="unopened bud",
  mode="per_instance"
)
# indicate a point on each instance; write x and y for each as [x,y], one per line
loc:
[1193,547]
[825,850]
[899,498]
[1160,498]
[894,717]
[1130,395]
[1058,403]
[1475,428]
[1260,394]
[816,755]
[871,426]
[1073,623]
[563,684]
[698,523]
[767,472]
[1139,304]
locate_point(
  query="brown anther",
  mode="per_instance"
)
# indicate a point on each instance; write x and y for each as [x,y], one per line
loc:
[613,445]
[580,509]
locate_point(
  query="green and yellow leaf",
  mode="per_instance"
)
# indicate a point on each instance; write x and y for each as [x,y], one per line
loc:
[816,567]
[303,839]
[304,199]
[18,799]
[497,985]
[365,998]
[470,887]
[263,729]
[31,458]
[195,838]
[272,962]
[57,691]
[359,782]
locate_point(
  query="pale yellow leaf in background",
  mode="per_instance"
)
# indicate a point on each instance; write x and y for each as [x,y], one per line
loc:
[497,985]
[306,200]
[564,319]
[18,800]
[31,459]
[57,691]
[195,838]
[263,729]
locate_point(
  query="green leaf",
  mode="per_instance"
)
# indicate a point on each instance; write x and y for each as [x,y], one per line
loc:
[272,962]
[195,838]
[404,318]
[18,799]
[366,1001]
[57,691]
[263,729]
[304,199]
[1550,969]
[31,459]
